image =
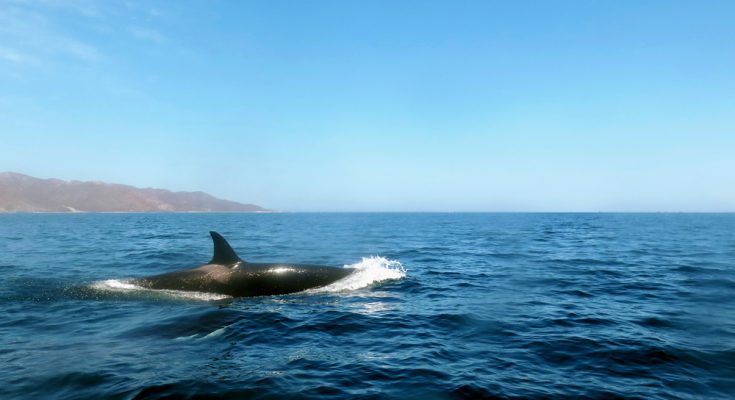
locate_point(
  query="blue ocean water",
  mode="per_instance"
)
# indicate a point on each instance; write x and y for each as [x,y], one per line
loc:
[448,306]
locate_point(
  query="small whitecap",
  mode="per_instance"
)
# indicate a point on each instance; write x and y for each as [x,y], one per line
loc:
[217,332]
[190,337]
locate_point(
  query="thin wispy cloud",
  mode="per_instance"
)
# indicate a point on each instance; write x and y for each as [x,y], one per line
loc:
[11,56]
[33,29]
[54,32]
[147,34]
[87,8]
[50,46]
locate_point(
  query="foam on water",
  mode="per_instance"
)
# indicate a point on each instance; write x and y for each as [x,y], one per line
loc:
[115,285]
[367,272]
[125,286]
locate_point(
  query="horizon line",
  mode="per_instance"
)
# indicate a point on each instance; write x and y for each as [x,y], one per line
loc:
[366,212]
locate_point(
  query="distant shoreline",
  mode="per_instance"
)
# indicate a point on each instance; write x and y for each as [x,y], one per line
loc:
[24,193]
[363,212]
[142,212]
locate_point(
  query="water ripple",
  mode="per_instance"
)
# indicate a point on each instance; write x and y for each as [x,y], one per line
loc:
[489,306]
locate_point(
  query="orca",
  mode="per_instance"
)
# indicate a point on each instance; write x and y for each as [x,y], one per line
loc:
[228,274]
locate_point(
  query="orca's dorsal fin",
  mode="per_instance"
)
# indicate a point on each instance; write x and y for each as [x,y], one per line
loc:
[223,253]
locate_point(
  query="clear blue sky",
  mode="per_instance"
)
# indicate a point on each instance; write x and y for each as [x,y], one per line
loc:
[379,106]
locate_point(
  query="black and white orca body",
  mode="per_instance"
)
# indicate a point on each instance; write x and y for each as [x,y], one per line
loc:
[228,274]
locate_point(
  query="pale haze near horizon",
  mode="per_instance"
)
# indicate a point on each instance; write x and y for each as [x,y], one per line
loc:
[379,106]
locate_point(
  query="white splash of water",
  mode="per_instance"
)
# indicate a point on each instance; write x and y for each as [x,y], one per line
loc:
[114,285]
[125,286]
[367,272]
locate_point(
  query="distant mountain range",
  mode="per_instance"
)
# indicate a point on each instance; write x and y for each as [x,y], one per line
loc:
[23,193]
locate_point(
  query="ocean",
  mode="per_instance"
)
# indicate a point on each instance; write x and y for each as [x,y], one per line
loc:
[442,306]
